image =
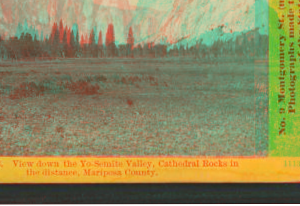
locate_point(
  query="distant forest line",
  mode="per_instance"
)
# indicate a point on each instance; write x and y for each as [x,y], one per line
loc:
[63,42]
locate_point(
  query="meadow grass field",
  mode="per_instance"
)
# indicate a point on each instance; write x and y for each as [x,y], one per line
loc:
[132,107]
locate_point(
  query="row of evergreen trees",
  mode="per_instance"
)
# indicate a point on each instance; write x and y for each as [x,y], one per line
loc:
[65,42]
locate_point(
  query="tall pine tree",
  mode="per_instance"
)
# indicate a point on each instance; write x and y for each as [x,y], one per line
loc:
[100,41]
[68,35]
[110,35]
[81,40]
[65,44]
[130,42]
[92,38]
[100,45]
[54,37]
[61,31]
[130,39]
[19,30]
[42,36]
[110,41]
[72,40]
[92,44]
[77,38]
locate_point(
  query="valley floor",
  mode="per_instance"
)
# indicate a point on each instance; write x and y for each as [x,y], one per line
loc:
[133,107]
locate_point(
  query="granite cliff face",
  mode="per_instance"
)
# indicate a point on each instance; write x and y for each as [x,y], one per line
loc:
[152,21]
[194,19]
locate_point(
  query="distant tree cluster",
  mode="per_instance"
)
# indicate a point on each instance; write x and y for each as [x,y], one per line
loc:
[246,45]
[65,42]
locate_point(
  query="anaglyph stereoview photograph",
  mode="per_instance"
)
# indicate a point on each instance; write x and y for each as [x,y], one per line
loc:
[133,77]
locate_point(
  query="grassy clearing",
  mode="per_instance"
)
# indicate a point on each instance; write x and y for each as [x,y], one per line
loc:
[136,107]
